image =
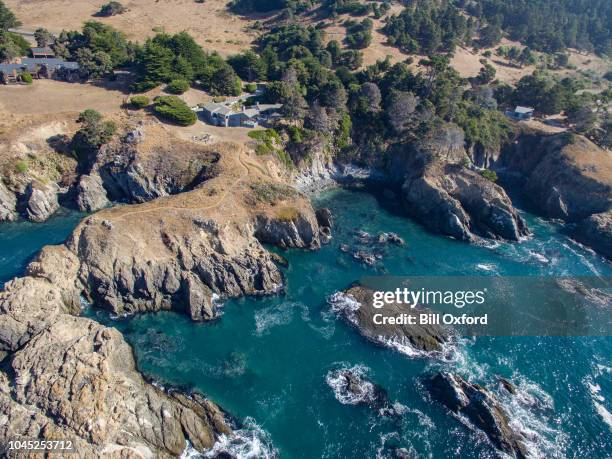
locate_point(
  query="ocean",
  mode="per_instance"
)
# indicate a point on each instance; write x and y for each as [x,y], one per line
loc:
[270,362]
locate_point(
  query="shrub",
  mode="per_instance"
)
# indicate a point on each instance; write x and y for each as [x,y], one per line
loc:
[489,175]
[251,87]
[175,110]
[21,166]
[178,86]
[111,9]
[26,78]
[139,101]
[271,193]
[287,214]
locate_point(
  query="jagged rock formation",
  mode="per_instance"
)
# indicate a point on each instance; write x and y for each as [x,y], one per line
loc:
[449,198]
[90,193]
[356,306]
[564,176]
[481,407]
[65,377]
[8,203]
[40,201]
[301,232]
[596,232]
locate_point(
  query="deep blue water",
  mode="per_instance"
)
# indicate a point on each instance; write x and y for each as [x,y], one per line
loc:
[266,360]
[20,241]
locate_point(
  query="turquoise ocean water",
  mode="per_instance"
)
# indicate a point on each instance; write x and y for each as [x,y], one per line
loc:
[266,360]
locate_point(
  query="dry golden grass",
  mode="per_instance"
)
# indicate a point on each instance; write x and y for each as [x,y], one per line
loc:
[209,23]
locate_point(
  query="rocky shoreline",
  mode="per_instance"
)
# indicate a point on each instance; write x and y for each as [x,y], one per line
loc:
[64,376]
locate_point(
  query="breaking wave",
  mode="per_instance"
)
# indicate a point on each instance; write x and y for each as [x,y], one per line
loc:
[248,442]
[341,386]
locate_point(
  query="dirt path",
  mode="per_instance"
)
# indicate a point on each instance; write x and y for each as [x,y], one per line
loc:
[245,174]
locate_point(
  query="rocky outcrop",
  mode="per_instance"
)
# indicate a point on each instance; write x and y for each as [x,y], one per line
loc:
[448,197]
[40,201]
[352,387]
[355,305]
[564,175]
[65,377]
[301,231]
[482,409]
[90,193]
[8,204]
[596,232]
[132,173]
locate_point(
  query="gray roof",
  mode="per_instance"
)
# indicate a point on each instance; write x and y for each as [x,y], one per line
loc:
[215,107]
[520,109]
[30,63]
[44,50]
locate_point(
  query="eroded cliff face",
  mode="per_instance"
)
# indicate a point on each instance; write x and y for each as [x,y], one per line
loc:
[564,176]
[447,196]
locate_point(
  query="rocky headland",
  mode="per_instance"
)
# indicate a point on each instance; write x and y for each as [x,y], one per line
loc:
[64,376]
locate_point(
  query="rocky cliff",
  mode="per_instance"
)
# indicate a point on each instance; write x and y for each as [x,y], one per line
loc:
[68,377]
[447,196]
[65,377]
[563,176]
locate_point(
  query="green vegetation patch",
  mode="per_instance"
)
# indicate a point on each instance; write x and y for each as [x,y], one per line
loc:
[489,175]
[139,101]
[271,193]
[175,110]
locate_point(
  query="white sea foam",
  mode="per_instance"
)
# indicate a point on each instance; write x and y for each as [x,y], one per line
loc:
[344,303]
[249,442]
[274,316]
[336,379]
[599,400]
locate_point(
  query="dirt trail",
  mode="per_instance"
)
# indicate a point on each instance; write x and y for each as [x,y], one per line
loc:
[245,173]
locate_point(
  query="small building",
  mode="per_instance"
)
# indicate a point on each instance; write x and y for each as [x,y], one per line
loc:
[39,68]
[521,113]
[42,53]
[221,114]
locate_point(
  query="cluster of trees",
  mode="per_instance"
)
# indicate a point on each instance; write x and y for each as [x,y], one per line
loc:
[98,48]
[168,58]
[359,34]
[355,7]
[548,25]
[12,45]
[516,55]
[428,27]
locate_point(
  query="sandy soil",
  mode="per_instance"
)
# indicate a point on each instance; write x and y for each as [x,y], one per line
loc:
[209,23]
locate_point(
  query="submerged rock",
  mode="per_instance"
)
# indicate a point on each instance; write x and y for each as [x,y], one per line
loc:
[356,306]
[391,238]
[482,409]
[596,232]
[40,201]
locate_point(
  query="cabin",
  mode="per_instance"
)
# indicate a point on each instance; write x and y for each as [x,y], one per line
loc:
[42,53]
[521,113]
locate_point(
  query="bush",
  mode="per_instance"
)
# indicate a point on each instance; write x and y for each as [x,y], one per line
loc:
[251,87]
[111,9]
[175,110]
[177,86]
[21,166]
[489,175]
[139,102]
[26,78]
